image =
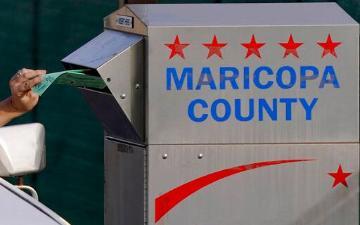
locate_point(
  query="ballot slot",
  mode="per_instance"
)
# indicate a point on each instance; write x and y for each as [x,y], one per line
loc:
[116,57]
[90,73]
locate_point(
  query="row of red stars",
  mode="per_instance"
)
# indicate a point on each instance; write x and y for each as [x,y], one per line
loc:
[253,47]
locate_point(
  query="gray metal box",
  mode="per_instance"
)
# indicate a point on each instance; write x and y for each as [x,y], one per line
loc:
[233,113]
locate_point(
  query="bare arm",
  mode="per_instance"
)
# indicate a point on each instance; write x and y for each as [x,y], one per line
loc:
[22,99]
[7,112]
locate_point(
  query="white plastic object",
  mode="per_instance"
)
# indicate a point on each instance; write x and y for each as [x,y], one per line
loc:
[22,149]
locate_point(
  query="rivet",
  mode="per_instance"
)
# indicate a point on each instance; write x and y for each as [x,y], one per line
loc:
[108,79]
[200,156]
[137,85]
[164,156]
[123,96]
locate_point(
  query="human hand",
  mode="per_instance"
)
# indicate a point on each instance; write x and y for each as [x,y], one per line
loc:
[22,97]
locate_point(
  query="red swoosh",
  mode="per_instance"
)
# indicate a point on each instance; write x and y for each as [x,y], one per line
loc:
[165,202]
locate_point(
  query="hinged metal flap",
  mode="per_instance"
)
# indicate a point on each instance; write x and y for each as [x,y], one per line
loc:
[118,58]
[102,49]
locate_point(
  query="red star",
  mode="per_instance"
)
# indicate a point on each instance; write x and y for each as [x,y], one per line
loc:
[291,47]
[177,48]
[214,47]
[339,177]
[253,47]
[329,46]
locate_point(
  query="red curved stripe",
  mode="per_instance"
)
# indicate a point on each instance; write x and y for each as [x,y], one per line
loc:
[165,202]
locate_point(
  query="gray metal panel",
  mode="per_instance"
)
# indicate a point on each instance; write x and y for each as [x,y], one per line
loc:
[102,48]
[334,119]
[124,184]
[241,14]
[18,208]
[111,116]
[124,76]
[284,194]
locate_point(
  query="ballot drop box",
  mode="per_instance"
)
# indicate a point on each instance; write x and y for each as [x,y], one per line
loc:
[228,114]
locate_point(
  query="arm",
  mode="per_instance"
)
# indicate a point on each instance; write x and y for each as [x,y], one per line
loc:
[7,112]
[22,99]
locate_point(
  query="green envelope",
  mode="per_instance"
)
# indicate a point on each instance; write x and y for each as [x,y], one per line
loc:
[76,78]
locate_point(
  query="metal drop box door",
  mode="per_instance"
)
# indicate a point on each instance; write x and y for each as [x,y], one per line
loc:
[228,113]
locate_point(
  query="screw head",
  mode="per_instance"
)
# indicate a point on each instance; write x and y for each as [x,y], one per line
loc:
[123,96]
[108,79]
[200,156]
[137,85]
[164,156]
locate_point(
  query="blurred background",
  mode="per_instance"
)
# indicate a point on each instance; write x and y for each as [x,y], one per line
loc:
[38,34]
